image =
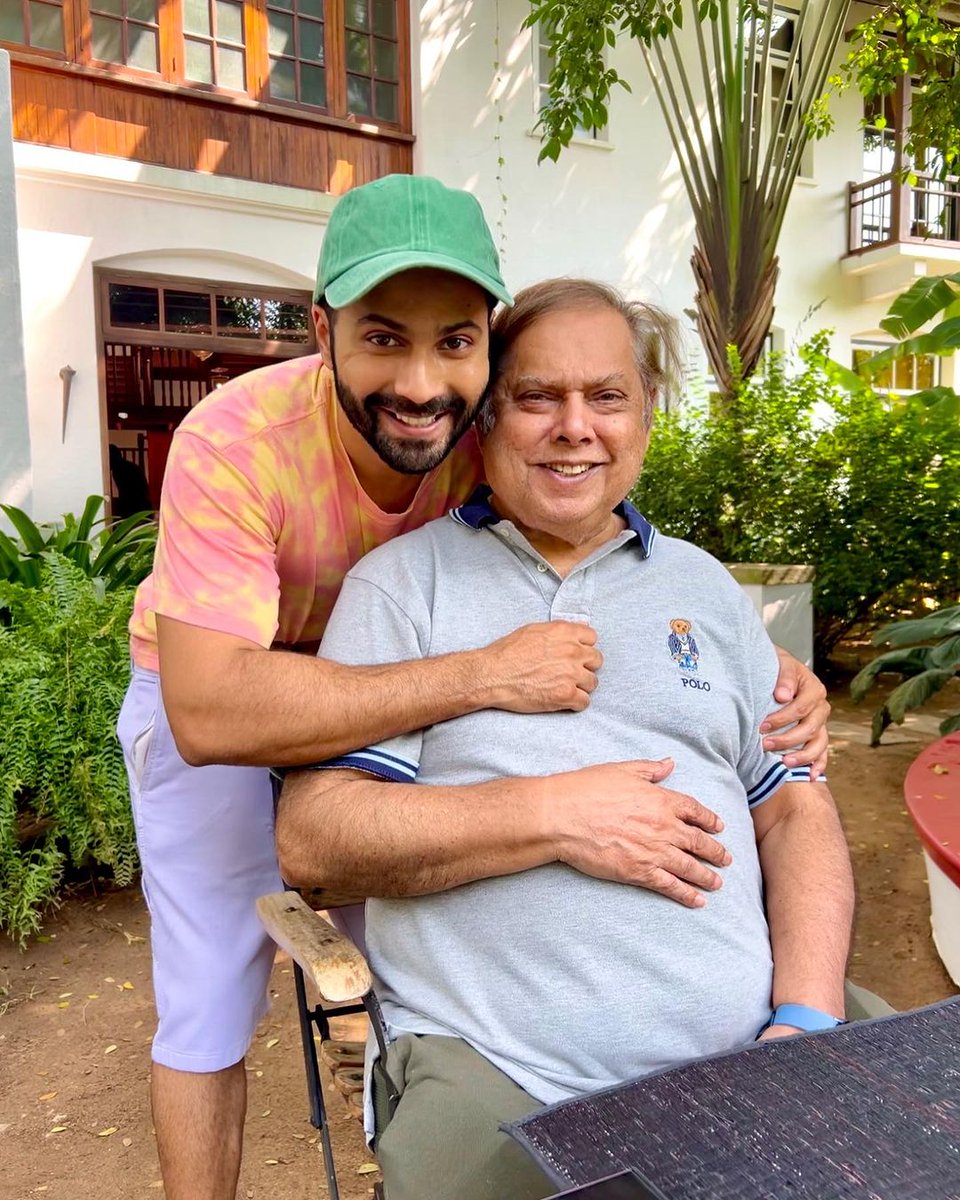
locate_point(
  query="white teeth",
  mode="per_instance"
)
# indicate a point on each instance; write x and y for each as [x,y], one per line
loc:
[570,468]
[416,422]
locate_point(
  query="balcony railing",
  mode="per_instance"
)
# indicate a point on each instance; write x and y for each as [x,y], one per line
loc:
[885,211]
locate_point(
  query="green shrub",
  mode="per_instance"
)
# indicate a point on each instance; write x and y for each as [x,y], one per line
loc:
[925,669]
[121,554]
[864,487]
[63,790]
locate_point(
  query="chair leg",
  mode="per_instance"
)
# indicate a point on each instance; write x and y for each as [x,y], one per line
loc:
[318,1116]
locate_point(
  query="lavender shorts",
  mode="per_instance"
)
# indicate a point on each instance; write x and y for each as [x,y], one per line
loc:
[205,836]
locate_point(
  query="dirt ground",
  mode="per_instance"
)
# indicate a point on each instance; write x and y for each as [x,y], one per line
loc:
[76,1011]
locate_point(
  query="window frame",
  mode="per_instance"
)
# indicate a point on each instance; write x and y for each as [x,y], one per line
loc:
[217,343]
[778,58]
[874,345]
[77,58]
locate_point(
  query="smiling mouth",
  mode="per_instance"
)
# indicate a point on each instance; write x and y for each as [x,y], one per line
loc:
[570,469]
[429,421]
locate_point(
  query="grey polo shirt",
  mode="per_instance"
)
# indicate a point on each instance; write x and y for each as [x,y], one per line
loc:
[566,982]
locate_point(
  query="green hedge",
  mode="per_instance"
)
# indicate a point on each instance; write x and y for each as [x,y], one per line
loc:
[63,791]
[863,486]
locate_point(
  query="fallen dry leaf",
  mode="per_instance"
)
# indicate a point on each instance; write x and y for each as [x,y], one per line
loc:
[106,1132]
[272,1043]
[127,985]
[128,1141]
[47,1095]
[367,1168]
[109,1049]
[266,1112]
[938,770]
[133,937]
[58,1129]
[64,1004]
[271,1162]
[65,995]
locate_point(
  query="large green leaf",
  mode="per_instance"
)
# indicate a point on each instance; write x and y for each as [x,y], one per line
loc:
[881,719]
[31,534]
[88,517]
[950,725]
[903,662]
[920,303]
[946,654]
[922,629]
[914,692]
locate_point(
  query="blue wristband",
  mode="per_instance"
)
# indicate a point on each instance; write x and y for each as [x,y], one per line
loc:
[802,1016]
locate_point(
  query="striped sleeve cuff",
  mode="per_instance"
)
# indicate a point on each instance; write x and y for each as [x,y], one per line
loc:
[374,762]
[775,778]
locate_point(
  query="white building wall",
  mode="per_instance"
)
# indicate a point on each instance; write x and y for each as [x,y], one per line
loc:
[614,210]
[77,212]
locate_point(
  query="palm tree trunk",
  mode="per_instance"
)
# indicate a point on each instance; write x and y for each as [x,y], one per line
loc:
[735,313]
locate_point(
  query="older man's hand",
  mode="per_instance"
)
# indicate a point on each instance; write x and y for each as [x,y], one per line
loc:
[547,667]
[616,822]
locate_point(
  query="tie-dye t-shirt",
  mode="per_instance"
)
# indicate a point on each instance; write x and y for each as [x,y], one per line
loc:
[262,514]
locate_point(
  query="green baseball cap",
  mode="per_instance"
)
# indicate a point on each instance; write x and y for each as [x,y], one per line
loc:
[399,222]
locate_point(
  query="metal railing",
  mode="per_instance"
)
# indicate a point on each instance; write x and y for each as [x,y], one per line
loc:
[886,210]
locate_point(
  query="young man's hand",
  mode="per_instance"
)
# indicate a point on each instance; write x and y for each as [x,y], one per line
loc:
[548,667]
[806,710]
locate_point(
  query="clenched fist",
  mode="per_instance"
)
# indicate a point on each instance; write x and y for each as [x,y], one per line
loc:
[547,667]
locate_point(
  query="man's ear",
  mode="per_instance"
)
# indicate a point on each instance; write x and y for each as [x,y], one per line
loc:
[321,322]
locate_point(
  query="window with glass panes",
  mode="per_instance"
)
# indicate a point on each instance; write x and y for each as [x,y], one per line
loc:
[911,373]
[779,92]
[35,23]
[297,48]
[213,43]
[372,59]
[127,32]
[341,57]
[167,312]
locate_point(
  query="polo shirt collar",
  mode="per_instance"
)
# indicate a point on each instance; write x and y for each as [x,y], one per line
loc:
[478,513]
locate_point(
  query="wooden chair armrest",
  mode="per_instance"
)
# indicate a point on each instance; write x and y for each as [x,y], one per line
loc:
[329,960]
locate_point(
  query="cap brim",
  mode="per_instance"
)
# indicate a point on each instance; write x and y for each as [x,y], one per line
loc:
[364,277]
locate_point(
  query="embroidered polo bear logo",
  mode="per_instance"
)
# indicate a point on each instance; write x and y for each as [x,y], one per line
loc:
[682,645]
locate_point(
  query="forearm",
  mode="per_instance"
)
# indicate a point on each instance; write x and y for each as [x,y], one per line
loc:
[367,837]
[808,885]
[276,708]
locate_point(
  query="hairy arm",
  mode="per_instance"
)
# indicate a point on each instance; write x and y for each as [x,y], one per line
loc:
[229,700]
[808,884]
[351,832]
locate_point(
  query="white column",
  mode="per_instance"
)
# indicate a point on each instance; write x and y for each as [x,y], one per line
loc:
[16,476]
[783,596]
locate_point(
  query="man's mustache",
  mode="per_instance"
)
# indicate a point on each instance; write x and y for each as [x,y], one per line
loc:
[407,408]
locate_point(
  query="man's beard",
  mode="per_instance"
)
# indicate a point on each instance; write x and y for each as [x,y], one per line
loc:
[406,455]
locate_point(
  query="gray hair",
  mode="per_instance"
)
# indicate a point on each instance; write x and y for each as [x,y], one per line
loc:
[654,334]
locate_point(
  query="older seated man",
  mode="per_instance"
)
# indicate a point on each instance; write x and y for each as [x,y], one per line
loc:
[525,936]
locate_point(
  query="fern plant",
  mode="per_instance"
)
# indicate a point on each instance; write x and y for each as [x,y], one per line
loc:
[925,668]
[120,554]
[63,790]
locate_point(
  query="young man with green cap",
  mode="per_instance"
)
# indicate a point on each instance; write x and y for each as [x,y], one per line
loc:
[276,484]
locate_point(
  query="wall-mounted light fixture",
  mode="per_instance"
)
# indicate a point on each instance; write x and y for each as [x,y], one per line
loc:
[66,378]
